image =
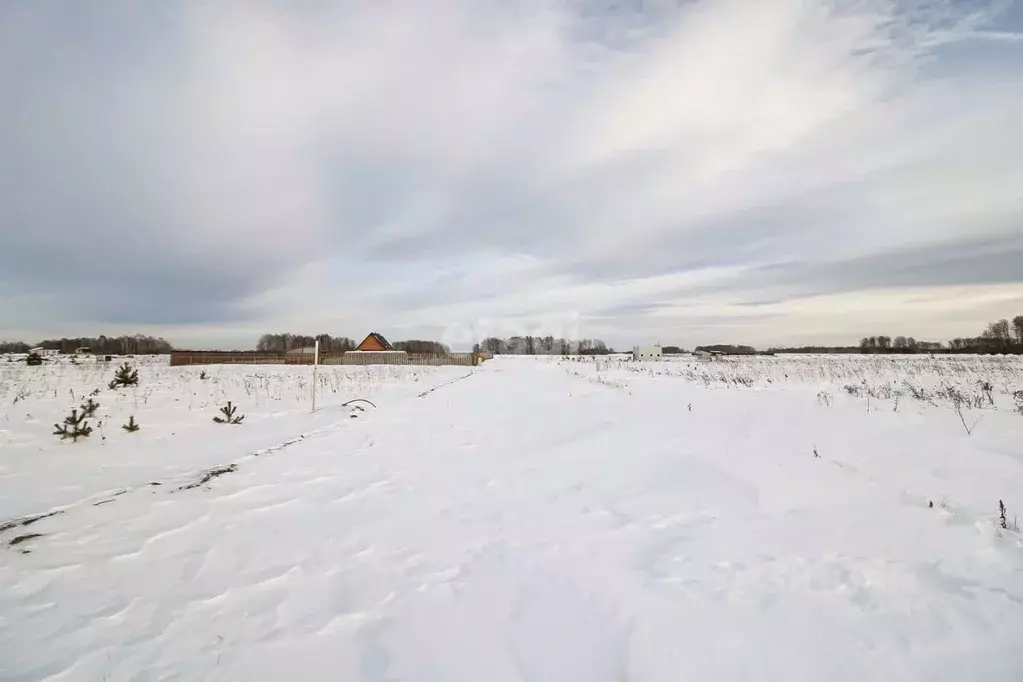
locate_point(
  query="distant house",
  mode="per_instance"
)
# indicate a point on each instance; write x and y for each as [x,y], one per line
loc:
[374,342]
[82,350]
[646,353]
[706,355]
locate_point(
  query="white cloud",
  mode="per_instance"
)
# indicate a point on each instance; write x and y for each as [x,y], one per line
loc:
[426,165]
[848,315]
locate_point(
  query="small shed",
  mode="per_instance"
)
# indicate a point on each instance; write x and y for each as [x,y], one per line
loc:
[706,355]
[374,342]
[306,350]
[646,352]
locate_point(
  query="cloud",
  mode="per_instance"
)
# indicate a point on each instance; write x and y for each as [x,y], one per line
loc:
[213,170]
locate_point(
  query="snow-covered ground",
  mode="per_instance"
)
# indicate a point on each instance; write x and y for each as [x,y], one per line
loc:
[533,519]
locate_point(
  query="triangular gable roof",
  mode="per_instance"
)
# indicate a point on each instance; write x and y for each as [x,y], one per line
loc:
[379,338]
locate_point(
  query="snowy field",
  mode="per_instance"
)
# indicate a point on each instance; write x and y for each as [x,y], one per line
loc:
[529,520]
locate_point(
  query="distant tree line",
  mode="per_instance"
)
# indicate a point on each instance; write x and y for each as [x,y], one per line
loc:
[138,344]
[14,347]
[280,343]
[672,350]
[900,344]
[831,350]
[426,347]
[542,345]
[729,349]
[1002,336]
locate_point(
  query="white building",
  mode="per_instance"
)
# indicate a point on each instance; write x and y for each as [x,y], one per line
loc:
[646,353]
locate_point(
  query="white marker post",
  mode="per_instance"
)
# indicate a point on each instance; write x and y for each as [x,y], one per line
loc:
[316,364]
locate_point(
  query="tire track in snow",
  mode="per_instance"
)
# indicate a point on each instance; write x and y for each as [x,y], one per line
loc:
[202,478]
[446,383]
[178,483]
[190,481]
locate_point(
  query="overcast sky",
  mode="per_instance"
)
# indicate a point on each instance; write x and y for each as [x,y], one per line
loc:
[673,171]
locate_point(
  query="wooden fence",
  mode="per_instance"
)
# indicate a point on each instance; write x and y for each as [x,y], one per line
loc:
[188,357]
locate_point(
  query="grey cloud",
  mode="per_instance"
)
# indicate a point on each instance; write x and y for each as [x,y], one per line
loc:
[993,260]
[142,190]
[973,261]
[97,280]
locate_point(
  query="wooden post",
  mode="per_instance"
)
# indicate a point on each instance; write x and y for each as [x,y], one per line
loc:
[316,364]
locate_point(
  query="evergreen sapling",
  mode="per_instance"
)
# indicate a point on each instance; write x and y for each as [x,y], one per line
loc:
[125,376]
[89,408]
[131,426]
[74,427]
[228,415]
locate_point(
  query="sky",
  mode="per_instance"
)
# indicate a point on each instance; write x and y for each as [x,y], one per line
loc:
[641,171]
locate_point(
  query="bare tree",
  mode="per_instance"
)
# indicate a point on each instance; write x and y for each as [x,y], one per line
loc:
[999,331]
[494,345]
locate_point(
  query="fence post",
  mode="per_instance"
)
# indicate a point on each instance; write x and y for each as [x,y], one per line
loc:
[316,364]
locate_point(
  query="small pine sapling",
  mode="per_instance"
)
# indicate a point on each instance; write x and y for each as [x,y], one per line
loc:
[203,375]
[125,376]
[34,359]
[1002,518]
[131,426]
[228,415]
[89,408]
[74,427]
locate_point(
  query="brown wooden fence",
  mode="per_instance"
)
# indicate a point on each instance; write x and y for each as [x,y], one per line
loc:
[200,357]
[392,358]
